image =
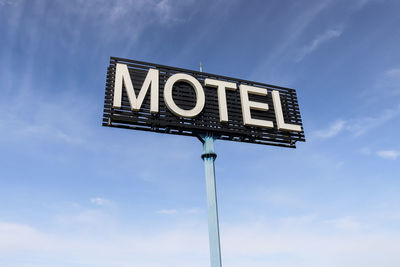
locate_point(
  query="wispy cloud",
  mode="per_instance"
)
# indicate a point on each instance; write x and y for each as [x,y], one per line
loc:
[361,3]
[166,11]
[190,211]
[167,211]
[332,130]
[275,196]
[388,154]
[53,119]
[194,211]
[365,151]
[299,220]
[345,223]
[99,201]
[317,42]
[16,237]
[104,247]
[305,236]
[297,27]
[395,72]
[359,126]
[9,2]
[85,220]
[389,82]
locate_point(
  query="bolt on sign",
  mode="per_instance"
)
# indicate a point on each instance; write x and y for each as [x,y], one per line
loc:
[152,97]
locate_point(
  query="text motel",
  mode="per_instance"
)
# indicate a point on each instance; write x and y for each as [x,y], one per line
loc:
[151,83]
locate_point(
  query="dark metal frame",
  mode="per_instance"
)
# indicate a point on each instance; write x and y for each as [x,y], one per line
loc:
[208,120]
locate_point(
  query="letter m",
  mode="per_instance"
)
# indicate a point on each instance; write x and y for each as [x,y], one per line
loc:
[122,77]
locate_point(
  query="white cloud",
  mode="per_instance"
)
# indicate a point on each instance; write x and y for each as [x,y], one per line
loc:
[360,126]
[300,239]
[394,73]
[317,42]
[194,211]
[167,211]
[384,154]
[346,223]
[365,151]
[275,196]
[31,116]
[332,131]
[167,11]
[14,236]
[390,82]
[163,8]
[306,246]
[386,87]
[8,2]
[299,220]
[361,3]
[100,201]
[175,211]
[86,220]
[296,29]
[388,154]
[23,245]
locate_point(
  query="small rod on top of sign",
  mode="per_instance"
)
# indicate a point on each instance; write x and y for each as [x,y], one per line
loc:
[209,157]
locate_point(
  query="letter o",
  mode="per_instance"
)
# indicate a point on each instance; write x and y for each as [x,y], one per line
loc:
[169,101]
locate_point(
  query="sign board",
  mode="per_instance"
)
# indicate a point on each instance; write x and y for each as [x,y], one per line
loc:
[152,97]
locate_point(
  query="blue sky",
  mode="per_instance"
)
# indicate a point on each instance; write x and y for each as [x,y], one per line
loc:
[73,193]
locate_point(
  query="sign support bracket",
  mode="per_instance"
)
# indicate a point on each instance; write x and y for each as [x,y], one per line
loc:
[209,157]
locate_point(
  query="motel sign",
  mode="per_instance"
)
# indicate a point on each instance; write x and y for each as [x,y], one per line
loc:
[152,97]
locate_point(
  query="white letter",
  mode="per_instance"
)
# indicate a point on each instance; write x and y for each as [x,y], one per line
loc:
[169,101]
[279,115]
[247,105]
[122,76]
[222,86]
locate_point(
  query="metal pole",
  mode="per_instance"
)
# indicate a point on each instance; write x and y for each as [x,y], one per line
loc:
[208,157]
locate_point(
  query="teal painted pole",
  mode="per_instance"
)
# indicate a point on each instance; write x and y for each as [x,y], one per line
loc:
[208,157]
